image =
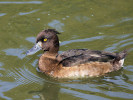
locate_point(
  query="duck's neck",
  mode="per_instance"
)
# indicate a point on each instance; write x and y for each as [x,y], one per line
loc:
[48,62]
[50,54]
[52,51]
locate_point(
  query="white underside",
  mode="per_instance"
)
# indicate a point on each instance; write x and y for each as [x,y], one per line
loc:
[121,62]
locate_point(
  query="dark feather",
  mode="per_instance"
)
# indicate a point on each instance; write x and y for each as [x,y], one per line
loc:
[80,56]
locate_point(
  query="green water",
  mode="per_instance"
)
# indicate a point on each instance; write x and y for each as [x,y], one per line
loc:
[93,24]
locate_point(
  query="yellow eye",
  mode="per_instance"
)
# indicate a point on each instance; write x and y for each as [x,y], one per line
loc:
[45,39]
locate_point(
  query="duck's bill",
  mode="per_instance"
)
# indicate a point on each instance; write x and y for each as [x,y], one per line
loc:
[34,49]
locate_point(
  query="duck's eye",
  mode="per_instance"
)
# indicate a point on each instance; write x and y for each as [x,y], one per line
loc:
[44,39]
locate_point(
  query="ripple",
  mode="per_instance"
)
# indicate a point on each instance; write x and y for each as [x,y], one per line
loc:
[6,86]
[26,13]
[82,95]
[15,52]
[31,39]
[129,68]
[115,45]
[126,19]
[21,2]
[82,40]
[123,36]
[1,64]
[119,94]
[126,44]
[82,18]
[21,77]
[107,25]
[121,21]
[2,14]
[25,76]
[105,88]
[35,62]
[57,25]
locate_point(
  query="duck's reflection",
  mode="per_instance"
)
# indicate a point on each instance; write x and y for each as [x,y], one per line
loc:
[50,91]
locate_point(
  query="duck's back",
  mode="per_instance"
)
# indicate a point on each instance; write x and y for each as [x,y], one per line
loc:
[82,56]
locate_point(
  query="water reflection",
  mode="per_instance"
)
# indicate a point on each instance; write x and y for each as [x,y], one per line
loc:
[57,25]
[22,76]
[1,69]
[82,18]
[6,86]
[49,89]
[107,25]
[2,14]
[31,39]
[82,40]
[126,19]
[20,53]
[124,40]
[1,64]
[25,13]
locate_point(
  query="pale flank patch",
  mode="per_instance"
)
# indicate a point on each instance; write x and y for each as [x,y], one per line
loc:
[121,62]
[95,55]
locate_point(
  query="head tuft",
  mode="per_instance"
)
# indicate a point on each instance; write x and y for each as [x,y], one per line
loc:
[51,30]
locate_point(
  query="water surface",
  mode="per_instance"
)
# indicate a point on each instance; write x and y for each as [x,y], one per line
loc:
[93,24]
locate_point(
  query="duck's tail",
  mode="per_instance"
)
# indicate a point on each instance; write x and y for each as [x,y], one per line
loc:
[120,57]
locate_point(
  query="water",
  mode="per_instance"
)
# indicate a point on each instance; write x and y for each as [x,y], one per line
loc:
[98,25]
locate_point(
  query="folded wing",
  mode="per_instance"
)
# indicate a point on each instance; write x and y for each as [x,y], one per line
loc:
[80,56]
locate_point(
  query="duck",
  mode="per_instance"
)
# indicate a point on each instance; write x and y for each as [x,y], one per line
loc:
[74,63]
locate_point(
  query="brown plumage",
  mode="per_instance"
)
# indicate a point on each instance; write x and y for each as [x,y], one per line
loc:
[73,63]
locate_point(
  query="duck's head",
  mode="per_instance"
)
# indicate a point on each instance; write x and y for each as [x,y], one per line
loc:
[47,40]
